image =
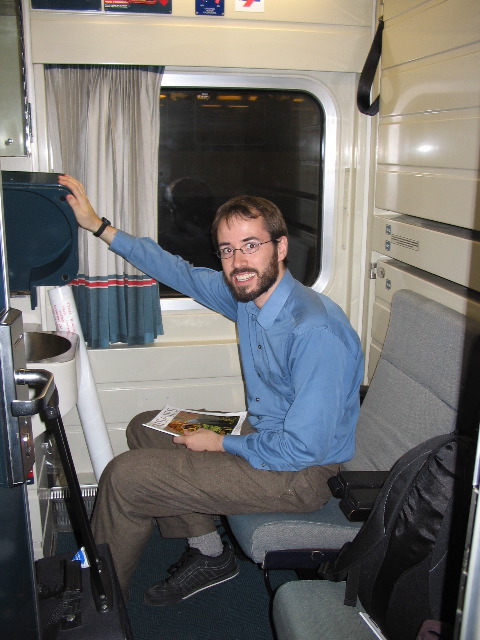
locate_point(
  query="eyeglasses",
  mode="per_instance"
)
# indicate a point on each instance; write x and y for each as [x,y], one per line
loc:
[225,253]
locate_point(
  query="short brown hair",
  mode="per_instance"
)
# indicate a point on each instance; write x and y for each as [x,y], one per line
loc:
[251,207]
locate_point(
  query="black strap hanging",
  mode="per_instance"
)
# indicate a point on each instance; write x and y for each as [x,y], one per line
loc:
[368,74]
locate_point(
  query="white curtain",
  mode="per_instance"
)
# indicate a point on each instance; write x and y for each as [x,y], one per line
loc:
[103,124]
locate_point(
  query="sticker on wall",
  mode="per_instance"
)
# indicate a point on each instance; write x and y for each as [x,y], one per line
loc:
[139,6]
[68,5]
[210,7]
[250,5]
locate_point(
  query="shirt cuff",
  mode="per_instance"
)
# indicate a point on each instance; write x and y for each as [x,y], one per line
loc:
[233,444]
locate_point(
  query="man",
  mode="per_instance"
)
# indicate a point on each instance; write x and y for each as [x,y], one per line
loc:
[302,364]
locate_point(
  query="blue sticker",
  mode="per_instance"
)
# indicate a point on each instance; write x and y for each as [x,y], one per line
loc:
[210,7]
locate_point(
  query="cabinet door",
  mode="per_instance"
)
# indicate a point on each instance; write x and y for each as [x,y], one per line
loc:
[13,104]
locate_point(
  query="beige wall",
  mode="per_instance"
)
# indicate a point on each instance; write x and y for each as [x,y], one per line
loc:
[328,35]
[427,204]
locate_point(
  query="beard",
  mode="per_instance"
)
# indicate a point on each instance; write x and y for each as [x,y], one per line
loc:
[265,280]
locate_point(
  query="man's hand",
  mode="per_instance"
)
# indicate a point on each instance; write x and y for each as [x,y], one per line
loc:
[201,440]
[83,210]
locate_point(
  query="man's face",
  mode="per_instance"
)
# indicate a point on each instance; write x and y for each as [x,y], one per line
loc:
[251,276]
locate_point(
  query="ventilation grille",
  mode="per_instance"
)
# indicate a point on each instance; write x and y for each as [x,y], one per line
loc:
[59,498]
[406,243]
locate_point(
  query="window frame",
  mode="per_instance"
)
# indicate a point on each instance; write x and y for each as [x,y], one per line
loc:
[239,79]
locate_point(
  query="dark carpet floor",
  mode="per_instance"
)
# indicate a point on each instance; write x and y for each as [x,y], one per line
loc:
[235,610]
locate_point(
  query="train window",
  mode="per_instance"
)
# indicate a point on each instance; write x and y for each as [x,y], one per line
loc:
[216,143]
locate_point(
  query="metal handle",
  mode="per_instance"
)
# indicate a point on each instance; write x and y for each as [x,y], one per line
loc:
[36,378]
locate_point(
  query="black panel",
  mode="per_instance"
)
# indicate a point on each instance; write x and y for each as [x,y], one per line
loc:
[139,6]
[41,231]
[68,5]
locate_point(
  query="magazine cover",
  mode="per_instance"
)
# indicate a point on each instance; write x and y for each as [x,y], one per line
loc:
[176,422]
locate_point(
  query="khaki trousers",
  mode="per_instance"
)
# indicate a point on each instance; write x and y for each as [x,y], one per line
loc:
[182,489]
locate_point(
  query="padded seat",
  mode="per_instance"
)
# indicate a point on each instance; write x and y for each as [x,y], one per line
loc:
[314,610]
[424,385]
[262,532]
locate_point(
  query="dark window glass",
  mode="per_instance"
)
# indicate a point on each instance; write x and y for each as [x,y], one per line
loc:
[215,144]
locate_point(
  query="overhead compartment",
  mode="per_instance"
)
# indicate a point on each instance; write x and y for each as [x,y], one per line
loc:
[450,252]
[426,215]
[429,126]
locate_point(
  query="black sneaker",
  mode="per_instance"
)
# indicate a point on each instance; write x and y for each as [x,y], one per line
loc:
[194,572]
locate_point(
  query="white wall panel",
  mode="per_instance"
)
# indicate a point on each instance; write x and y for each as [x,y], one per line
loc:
[447,198]
[428,158]
[430,28]
[325,11]
[254,46]
[420,87]
[449,140]
[194,325]
[173,361]
[220,394]
[327,35]
[398,7]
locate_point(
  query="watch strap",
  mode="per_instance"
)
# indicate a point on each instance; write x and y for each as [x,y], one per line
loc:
[102,227]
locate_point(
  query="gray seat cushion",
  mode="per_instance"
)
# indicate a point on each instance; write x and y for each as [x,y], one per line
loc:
[258,533]
[314,610]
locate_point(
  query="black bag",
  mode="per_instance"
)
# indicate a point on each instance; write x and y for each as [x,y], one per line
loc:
[68,606]
[405,563]
[74,602]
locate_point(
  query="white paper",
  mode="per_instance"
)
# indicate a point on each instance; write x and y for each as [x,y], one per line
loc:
[88,404]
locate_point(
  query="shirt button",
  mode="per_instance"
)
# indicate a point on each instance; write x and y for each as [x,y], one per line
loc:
[259,346]
[257,399]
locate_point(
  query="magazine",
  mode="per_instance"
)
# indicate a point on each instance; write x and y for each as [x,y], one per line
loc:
[176,422]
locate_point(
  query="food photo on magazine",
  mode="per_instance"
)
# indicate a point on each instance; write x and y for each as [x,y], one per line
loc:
[176,421]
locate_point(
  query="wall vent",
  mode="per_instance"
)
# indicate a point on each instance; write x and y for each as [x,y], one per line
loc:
[406,243]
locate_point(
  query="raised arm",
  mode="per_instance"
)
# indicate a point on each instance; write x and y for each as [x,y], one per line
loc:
[85,214]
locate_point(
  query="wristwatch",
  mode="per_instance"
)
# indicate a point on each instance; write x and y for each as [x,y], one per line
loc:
[102,227]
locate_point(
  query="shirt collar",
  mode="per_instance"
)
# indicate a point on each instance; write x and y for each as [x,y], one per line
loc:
[267,315]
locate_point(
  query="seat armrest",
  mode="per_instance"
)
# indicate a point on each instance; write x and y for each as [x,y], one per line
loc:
[357,503]
[345,481]
[298,558]
[357,491]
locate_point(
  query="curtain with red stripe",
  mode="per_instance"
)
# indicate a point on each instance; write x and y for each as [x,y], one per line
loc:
[103,124]
[132,310]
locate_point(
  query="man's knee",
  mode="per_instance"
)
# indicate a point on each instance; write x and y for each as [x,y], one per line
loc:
[137,434]
[118,469]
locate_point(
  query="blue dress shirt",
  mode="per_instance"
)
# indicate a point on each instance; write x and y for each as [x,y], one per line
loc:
[301,360]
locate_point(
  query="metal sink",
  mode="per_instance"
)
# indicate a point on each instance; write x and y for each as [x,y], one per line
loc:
[50,346]
[56,352]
